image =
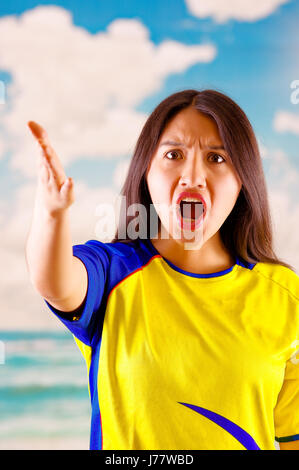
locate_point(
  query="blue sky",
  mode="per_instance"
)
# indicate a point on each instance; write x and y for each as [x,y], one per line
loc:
[255,63]
[259,57]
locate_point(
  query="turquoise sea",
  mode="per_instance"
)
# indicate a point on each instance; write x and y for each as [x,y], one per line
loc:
[44,401]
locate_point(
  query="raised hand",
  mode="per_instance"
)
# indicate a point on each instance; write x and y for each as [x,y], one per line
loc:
[55,190]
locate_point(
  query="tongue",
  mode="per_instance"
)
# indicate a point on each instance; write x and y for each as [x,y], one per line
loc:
[191,210]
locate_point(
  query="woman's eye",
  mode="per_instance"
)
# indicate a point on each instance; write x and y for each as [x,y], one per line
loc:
[217,155]
[175,155]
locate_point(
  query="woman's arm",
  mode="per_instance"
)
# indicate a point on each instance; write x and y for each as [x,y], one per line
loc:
[56,274]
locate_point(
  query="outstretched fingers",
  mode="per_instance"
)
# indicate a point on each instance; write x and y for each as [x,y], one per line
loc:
[54,164]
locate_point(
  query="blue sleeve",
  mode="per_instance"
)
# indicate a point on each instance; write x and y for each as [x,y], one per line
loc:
[84,323]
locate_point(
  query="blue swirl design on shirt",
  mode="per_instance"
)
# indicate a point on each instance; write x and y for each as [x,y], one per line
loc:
[238,433]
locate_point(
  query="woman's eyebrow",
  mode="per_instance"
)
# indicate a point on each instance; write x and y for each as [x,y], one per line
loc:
[179,144]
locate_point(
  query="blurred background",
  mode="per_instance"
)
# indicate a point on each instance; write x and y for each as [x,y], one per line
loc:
[90,73]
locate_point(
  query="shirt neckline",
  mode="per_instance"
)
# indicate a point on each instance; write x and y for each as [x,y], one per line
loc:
[191,274]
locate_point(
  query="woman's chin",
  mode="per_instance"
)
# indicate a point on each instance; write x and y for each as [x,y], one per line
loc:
[189,239]
[194,243]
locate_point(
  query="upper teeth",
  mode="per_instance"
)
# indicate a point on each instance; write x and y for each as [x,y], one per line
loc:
[190,199]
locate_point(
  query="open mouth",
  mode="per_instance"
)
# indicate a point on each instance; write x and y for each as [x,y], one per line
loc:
[190,213]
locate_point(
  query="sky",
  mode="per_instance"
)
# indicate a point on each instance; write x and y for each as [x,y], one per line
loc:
[91,73]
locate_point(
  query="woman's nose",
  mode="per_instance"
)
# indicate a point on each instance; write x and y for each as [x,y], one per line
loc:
[193,175]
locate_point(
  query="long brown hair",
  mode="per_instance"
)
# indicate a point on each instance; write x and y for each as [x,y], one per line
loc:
[247,231]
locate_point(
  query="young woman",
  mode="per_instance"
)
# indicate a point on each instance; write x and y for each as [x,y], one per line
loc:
[189,333]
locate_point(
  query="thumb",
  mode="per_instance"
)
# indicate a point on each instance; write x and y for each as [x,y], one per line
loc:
[67,186]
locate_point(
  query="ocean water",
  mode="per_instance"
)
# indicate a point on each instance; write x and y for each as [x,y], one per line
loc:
[44,400]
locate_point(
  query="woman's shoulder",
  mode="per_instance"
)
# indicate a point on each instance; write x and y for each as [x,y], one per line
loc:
[123,249]
[123,255]
[279,275]
[113,249]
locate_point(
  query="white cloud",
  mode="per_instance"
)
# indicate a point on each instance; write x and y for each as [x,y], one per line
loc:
[281,174]
[285,216]
[263,150]
[120,173]
[285,121]
[179,57]
[240,10]
[282,183]
[83,88]
[125,29]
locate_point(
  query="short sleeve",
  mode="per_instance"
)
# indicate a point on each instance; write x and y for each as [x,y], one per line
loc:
[96,262]
[286,412]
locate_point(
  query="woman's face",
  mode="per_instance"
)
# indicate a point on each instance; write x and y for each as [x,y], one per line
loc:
[189,158]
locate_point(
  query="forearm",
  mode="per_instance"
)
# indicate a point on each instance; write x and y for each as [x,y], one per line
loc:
[49,254]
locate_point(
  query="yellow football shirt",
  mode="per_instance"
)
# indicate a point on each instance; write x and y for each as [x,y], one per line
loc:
[178,360]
